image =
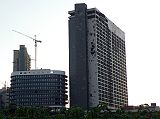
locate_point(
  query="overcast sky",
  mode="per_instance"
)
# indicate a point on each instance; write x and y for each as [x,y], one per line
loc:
[48,19]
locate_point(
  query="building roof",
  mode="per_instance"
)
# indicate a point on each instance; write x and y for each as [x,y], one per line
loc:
[38,72]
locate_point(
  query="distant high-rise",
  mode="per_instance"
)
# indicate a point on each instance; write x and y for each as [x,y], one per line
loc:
[97,60]
[21,60]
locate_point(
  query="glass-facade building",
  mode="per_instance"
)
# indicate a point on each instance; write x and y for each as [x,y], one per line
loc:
[97,59]
[42,87]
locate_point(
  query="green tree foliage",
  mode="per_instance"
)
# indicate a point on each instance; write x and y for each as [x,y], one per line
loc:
[59,116]
[99,112]
[75,113]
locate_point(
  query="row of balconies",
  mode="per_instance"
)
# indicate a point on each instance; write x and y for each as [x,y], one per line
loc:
[118,49]
[39,103]
[105,76]
[47,76]
[121,83]
[120,62]
[104,58]
[120,94]
[37,84]
[103,54]
[38,96]
[104,39]
[37,79]
[113,57]
[116,84]
[118,52]
[103,36]
[119,73]
[102,21]
[120,90]
[105,93]
[106,52]
[117,41]
[119,65]
[118,56]
[102,26]
[39,92]
[38,88]
[119,76]
[113,98]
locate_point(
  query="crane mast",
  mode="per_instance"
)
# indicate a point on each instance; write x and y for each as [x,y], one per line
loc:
[35,41]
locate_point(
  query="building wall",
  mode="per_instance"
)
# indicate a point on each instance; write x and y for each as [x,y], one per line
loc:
[21,60]
[107,78]
[92,63]
[24,59]
[39,88]
[78,62]
[110,68]
[119,74]
[15,60]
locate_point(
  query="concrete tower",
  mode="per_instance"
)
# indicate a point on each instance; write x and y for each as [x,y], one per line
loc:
[21,59]
[97,60]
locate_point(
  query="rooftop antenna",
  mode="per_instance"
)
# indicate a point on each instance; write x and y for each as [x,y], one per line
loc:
[35,41]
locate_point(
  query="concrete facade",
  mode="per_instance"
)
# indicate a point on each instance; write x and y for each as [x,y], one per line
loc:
[78,71]
[21,59]
[97,60]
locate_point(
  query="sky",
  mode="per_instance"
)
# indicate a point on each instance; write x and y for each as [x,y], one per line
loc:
[48,19]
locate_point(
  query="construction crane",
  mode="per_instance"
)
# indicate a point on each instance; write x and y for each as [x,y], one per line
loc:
[35,41]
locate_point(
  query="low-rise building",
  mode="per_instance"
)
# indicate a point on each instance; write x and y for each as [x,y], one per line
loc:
[43,87]
[150,108]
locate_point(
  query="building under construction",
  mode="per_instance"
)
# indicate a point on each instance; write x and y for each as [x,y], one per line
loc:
[21,59]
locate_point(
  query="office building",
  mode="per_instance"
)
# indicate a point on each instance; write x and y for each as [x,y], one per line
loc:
[21,60]
[43,87]
[97,60]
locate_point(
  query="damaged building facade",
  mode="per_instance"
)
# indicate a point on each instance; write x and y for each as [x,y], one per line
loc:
[97,60]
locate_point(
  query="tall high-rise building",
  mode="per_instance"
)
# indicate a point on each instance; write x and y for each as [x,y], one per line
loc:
[41,87]
[97,60]
[21,59]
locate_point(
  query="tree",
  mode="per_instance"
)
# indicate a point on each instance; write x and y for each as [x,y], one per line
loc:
[75,113]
